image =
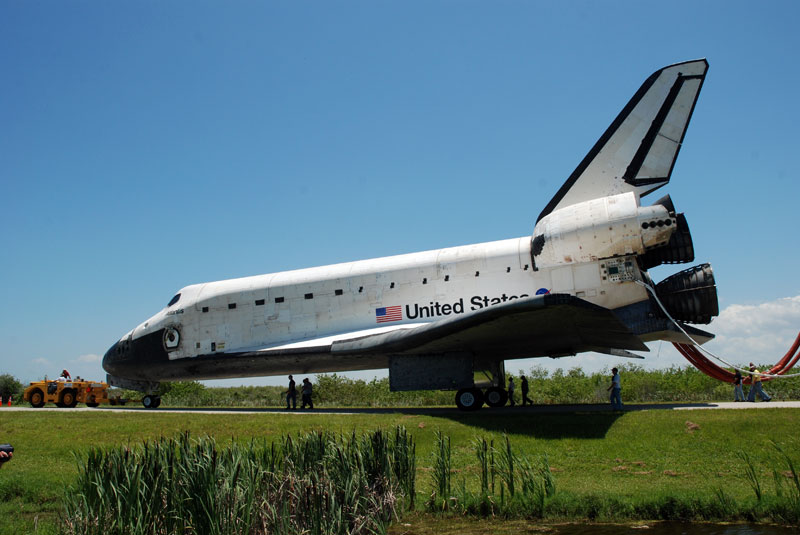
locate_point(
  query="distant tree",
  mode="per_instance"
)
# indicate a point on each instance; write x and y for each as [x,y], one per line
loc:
[186,393]
[9,386]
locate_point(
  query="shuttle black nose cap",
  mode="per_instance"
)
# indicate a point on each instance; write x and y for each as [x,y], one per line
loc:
[118,360]
[110,359]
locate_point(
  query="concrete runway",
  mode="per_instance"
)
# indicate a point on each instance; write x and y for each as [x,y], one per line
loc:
[433,411]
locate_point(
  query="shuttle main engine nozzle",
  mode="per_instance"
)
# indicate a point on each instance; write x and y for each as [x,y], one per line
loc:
[690,295]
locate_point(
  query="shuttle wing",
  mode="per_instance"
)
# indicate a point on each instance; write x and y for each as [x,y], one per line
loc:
[544,325]
[638,151]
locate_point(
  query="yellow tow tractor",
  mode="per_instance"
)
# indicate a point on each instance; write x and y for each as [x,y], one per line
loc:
[68,393]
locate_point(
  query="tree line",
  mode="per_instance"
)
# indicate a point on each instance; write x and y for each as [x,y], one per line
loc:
[573,386]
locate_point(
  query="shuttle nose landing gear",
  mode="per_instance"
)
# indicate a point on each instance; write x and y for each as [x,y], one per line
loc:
[469,399]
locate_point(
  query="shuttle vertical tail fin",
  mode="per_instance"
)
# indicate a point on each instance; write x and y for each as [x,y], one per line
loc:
[638,150]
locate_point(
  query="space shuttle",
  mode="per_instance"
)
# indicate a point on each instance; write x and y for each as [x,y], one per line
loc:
[448,319]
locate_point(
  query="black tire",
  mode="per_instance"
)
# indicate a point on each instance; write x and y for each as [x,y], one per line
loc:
[92,404]
[151,401]
[469,399]
[495,396]
[157,402]
[37,398]
[68,398]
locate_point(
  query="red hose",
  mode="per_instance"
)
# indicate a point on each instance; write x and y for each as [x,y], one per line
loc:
[699,361]
[794,360]
[703,364]
[783,365]
[779,367]
[711,368]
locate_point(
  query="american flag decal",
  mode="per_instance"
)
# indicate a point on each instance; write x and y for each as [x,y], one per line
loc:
[387,314]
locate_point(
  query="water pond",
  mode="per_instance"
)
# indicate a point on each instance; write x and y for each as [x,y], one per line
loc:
[671,528]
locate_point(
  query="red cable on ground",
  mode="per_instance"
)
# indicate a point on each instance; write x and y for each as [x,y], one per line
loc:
[699,361]
[781,367]
[703,364]
[721,373]
[682,350]
[792,363]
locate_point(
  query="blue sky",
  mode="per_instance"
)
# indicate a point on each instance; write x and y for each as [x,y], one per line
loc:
[149,145]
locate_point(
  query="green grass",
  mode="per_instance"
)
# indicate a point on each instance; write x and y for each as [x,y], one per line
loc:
[599,460]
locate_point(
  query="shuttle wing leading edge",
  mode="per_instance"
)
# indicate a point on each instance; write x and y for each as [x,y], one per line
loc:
[638,151]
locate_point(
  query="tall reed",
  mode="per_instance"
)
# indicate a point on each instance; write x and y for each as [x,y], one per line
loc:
[441,470]
[505,463]
[481,446]
[751,474]
[792,473]
[524,486]
[316,483]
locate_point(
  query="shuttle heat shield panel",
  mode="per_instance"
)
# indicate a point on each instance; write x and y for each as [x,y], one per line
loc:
[690,295]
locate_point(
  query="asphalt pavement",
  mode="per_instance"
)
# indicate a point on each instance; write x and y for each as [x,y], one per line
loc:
[540,409]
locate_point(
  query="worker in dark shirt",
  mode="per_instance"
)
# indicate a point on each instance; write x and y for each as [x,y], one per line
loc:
[524,386]
[291,394]
[307,391]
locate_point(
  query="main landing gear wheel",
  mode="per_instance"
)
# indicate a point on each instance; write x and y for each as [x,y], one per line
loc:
[496,396]
[469,399]
[151,402]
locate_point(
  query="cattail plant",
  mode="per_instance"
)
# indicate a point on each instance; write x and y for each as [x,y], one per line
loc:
[442,468]
[317,483]
[750,473]
[506,460]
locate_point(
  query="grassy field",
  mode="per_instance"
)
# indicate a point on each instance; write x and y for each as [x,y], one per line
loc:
[624,458]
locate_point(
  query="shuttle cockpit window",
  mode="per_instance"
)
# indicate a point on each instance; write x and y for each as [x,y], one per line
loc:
[174,300]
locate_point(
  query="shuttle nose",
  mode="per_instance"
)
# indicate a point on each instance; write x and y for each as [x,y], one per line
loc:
[142,358]
[118,360]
